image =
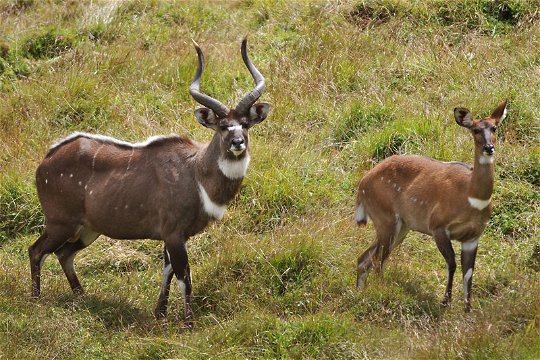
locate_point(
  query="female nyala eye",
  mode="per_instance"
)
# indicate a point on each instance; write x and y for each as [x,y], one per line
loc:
[477,130]
[493,129]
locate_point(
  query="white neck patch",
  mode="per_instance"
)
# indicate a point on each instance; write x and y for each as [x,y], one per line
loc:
[234,169]
[479,204]
[485,160]
[211,208]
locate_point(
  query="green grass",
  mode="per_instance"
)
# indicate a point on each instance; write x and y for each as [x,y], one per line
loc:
[350,83]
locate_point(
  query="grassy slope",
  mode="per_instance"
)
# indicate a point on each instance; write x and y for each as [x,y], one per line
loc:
[349,84]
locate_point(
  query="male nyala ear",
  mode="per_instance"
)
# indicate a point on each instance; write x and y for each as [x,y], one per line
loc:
[463,117]
[206,117]
[499,113]
[258,113]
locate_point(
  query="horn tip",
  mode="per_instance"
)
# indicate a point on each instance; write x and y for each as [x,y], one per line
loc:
[195,44]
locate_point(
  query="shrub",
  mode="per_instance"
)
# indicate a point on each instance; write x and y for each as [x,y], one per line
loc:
[359,120]
[48,44]
[20,212]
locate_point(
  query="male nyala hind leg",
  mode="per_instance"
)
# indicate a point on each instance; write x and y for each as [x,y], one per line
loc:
[52,238]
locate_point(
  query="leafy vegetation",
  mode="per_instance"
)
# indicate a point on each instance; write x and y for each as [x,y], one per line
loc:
[350,82]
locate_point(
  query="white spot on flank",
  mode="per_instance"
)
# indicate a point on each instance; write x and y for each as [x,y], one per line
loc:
[80,183]
[479,204]
[91,191]
[46,181]
[211,208]
[469,245]
[382,178]
[486,160]
[234,169]
[363,191]
[70,175]
[85,187]
[125,207]
[61,174]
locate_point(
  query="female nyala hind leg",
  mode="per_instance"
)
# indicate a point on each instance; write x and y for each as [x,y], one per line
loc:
[52,238]
[389,235]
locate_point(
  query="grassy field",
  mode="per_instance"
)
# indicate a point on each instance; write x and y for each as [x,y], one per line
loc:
[350,83]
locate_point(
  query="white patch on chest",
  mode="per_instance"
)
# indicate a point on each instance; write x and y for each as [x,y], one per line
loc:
[234,169]
[479,204]
[211,208]
[469,245]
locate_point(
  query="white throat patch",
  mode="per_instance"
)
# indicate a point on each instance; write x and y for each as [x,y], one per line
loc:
[211,208]
[234,169]
[485,159]
[479,204]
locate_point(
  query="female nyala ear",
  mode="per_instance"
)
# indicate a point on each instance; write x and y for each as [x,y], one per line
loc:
[463,117]
[499,113]
[206,117]
[258,113]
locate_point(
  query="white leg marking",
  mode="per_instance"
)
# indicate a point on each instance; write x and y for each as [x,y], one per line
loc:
[361,281]
[234,169]
[469,245]
[211,208]
[182,288]
[479,204]
[43,260]
[466,279]
[397,230]
[167,270]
